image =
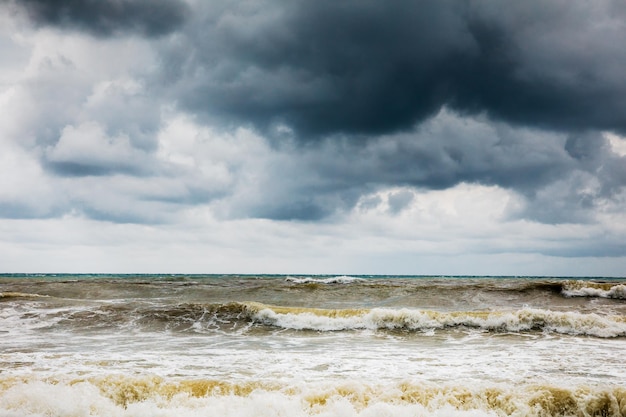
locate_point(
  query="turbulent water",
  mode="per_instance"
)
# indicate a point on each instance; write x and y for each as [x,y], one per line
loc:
[148,345]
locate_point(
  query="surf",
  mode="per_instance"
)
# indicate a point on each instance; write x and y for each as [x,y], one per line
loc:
[527,319]
[118,395]
[594,289]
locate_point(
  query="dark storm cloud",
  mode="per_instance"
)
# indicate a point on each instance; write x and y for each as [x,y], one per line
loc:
[321,67]
[548,74]
[370,67]
[108,17]
[526,88]
[562,177]
[594,156]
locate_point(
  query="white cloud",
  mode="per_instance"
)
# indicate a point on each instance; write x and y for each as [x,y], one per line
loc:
[617,143]
[215,156]
[88,144]
[15,53]
[199,242]
[25,190]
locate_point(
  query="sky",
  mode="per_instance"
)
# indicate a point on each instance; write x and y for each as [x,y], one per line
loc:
[428,137]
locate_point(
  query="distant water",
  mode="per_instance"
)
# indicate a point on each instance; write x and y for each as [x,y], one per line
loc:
[195,345]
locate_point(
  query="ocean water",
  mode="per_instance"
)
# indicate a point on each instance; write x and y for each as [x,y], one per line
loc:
[195,345]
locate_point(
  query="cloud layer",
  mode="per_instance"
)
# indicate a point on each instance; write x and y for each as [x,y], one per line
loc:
[366,67]
[358,117]
[108,18]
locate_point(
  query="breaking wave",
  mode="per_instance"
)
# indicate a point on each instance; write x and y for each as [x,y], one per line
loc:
[240,317]
[343,279]
[12,295]
[116,395]
[527,319]
[594,289]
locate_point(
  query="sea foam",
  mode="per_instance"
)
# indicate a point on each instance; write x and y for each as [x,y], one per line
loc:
[526,319]
[119,396]
[594,289]
[343,279]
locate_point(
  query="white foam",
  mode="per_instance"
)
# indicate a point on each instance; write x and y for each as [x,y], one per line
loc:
[516,321]
[65,399]
[616,291]
[343,279]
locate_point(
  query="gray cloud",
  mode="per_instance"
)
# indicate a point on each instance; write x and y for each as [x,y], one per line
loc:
[86,150]
[562,178]
[28,210]
[400,200]
[366,79]
[369,67]
[108,17]
[82,115]
[359,88]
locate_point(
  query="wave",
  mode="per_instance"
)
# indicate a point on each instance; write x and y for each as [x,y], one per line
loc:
[155,396]
[12,295]
[240,317]
[567,288]
[343,279]
[421,320]
[594,289]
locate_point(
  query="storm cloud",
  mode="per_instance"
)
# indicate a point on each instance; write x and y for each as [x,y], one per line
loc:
[368,67]
[108,17]
[371,67]
[562,177]
[360,115]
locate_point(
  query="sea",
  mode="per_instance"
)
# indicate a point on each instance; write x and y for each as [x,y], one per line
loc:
[309,345]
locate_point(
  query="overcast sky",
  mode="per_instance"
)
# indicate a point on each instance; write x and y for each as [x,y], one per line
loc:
[340,137]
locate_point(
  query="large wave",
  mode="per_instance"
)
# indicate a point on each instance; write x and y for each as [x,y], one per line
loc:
[594,289]
[121,396]
[527,319]
[240,317]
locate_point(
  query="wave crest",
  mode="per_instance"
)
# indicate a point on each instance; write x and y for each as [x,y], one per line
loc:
[343,279]
[594,289]
[12,295]
[144,396]
[240,317]
[527,319]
